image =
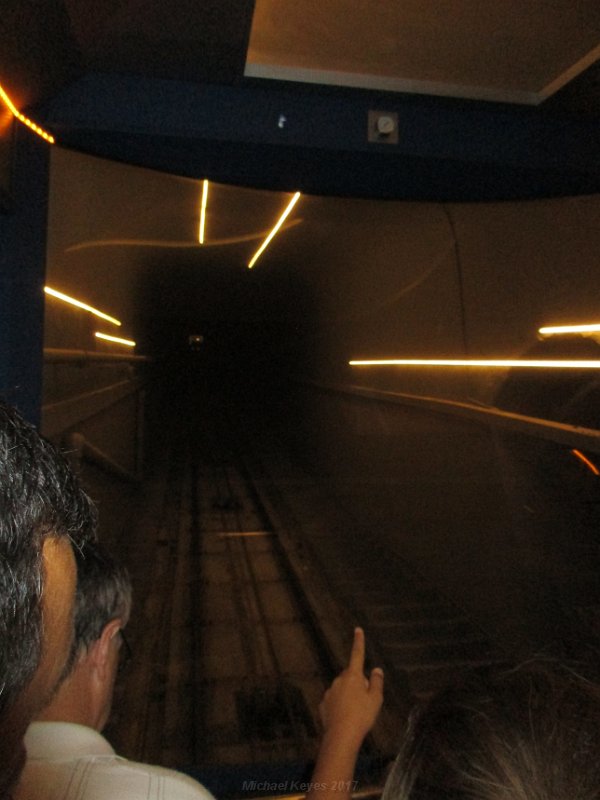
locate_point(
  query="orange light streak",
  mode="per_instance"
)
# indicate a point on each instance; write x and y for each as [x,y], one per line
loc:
[22,118]
[276,227]
[115,339]
[78,304]
[476,362]
[203,211]
[552,330]
[589,464]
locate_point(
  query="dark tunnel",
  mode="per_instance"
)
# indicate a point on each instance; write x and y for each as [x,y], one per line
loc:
[464,495]
[389,420]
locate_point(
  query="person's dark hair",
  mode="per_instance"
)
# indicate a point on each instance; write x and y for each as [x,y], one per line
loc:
[39,498]
[529,733]
[103,594]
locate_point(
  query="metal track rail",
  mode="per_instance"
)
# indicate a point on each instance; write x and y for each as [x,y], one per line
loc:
[249,592]
[275,686]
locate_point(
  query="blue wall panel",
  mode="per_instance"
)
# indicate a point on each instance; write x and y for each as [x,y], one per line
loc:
[22,264]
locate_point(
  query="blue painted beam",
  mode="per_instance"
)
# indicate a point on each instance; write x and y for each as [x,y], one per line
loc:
[446,150]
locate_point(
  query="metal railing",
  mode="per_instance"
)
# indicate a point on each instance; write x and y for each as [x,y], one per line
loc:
[63,419]
[55,355]
[559,432]
[79,448]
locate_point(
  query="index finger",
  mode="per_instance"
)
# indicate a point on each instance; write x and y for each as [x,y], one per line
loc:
[357,654]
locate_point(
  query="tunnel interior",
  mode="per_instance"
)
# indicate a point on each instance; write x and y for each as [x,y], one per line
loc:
[374,425]
[478,486]
[346,279]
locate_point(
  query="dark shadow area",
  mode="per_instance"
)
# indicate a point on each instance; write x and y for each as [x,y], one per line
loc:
[567,395]
[505,525]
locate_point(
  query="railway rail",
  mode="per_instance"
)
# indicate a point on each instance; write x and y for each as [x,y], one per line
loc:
[248,585]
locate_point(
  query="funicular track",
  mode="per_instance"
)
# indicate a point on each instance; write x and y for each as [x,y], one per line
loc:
[230,660]
[248,590]
[420,637]
[257,658]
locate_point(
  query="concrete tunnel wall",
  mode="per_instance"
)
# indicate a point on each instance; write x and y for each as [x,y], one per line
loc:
[377,278]
[385,278]
[412,280]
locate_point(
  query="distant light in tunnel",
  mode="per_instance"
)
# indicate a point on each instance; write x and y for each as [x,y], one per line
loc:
[589,464]
[72,301]
[276,227]
[22,118]
[115,339]
[551,330]
[476,362]
[203,211]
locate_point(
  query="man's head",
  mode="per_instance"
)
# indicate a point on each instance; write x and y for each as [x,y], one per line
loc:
[102,607]
[43,512]
[523,733]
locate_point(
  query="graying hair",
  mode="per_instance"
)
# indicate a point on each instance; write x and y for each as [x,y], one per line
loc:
[103,594]
[40,498]
[528,733]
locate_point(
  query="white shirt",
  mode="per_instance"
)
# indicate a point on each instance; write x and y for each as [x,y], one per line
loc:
[72,762]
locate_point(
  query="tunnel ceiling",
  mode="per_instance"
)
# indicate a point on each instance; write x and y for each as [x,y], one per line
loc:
[546,54]
[131,234]
[506,51]
[275,95]
[509,51]
[221,89]
[183,40]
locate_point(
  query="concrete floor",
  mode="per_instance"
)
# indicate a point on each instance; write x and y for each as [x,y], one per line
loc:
[452,544]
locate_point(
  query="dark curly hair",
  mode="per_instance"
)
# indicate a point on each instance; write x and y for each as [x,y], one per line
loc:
[39,498]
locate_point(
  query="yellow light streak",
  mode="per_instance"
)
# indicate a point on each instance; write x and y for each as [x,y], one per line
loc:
[22,118]
[72,301]
[203,211]
[115,339]
[276,227]
[474,362]
[551,330]
[590,465]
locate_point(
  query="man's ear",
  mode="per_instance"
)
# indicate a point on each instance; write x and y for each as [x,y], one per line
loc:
[99,652]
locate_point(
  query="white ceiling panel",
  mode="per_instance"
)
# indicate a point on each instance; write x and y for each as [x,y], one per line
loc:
[507,50]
